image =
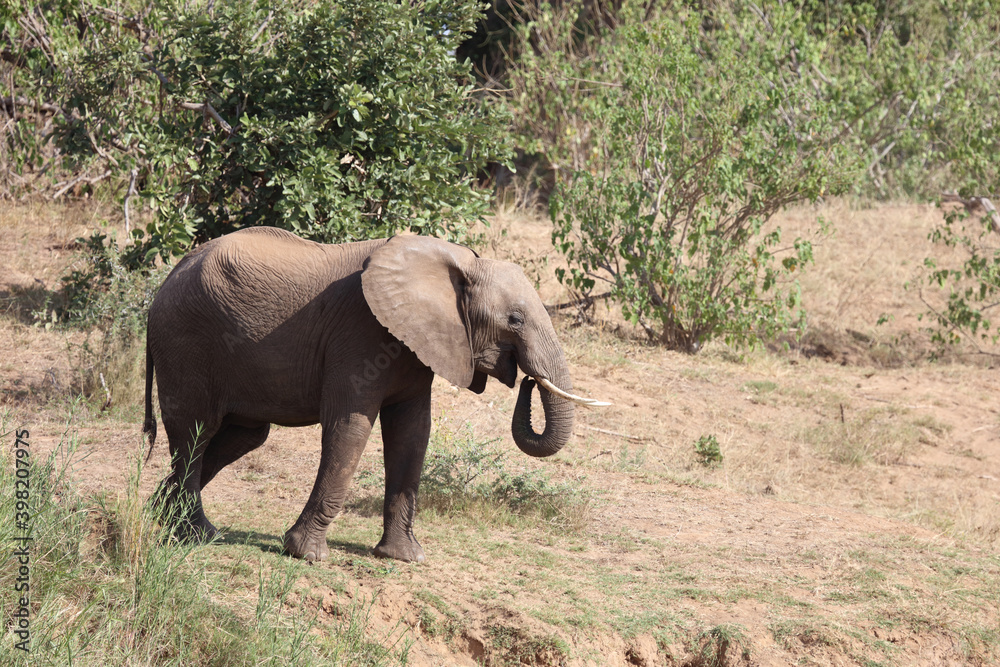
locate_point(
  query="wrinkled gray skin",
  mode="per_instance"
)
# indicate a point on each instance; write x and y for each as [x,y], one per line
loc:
[261,327]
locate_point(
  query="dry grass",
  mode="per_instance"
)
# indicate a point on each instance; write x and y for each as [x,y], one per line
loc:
[871,268]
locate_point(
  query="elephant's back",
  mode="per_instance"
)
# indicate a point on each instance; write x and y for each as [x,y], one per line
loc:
[262,261]
[277,257]
[257,278]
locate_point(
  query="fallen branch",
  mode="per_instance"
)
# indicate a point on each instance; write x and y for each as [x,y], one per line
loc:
[605,431]
[976,204]
[586,301]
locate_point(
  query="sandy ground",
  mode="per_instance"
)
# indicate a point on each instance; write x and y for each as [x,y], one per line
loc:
[847,447]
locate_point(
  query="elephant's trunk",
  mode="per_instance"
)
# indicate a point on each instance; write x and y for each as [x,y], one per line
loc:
[558,419]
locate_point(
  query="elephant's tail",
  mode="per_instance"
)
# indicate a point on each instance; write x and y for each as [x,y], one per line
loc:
[149,425]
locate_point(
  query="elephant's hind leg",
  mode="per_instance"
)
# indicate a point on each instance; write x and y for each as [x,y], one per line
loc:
[181,491]
[228,445]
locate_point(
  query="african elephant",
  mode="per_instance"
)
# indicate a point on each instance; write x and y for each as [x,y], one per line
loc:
[261,327]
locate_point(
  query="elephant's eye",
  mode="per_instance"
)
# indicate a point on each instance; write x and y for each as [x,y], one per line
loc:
[515,320]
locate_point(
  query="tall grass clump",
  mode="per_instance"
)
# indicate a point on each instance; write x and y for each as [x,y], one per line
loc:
[111,585]
[877,436]
[107,293]
[466,476]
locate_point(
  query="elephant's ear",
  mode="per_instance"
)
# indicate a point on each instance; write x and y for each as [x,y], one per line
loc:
[415,286]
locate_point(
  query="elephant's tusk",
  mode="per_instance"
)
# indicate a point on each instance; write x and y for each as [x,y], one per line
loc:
[580,400]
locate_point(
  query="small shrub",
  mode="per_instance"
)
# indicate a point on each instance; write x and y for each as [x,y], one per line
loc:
[463,475]
[973,287]
[724,645]
[707,449]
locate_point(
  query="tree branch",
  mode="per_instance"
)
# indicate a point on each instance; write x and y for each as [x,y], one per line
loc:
[128,194]
[10,105]
[263,25]
[209,110]
[78,179]
[571,304]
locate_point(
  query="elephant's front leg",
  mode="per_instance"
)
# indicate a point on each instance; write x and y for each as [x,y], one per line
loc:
[405,430]
[344,439]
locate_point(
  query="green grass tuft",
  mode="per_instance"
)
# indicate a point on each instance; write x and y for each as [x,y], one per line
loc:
[111,585]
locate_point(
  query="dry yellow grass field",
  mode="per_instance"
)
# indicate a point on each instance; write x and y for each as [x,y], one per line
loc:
[854,517]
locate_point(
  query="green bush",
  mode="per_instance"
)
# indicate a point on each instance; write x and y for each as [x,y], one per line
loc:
[339,121]
[973,287]
[671,132]
[349,120]
[696,139]
[708,451]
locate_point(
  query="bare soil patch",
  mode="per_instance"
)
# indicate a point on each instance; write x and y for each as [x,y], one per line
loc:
[855,515]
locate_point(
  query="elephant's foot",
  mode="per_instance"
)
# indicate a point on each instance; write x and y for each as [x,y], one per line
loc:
[403,547]
[196,528]
[305,545]
[183,512]
[200,530]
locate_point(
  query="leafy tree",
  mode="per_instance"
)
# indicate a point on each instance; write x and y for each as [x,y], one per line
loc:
[966,126]
[696,138]
[338,121]
[888,70]
[348,121]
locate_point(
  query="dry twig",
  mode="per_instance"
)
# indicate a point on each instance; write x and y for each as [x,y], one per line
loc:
[605,431]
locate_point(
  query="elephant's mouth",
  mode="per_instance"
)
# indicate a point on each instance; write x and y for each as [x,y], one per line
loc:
[499,363]
[506,368]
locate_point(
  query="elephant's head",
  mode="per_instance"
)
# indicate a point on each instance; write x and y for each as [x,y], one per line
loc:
[467,317]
